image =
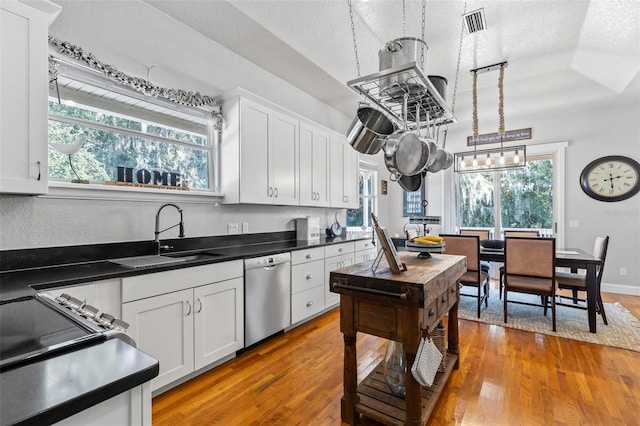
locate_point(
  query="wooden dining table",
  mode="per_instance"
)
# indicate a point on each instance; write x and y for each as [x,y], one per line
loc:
[567,258]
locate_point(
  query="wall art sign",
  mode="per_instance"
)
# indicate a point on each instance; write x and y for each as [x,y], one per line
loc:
[148,179]
[509,135]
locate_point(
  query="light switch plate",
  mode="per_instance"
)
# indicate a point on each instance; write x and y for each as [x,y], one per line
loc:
[232,229]
[245,227]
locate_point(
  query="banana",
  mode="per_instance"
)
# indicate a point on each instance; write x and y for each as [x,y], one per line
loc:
[428,239]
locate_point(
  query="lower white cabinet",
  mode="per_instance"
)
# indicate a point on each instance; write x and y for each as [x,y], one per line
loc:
[190,328]
[337,256]
[365,251]
[307,283]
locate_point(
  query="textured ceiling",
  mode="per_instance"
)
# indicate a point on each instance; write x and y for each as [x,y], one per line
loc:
[562,55]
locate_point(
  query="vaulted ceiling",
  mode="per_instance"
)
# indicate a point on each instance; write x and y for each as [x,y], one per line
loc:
[562,55]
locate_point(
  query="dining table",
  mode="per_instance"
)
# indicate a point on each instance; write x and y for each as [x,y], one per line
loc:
[572,258]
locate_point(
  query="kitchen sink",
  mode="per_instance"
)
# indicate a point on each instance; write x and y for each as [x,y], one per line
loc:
[156,260]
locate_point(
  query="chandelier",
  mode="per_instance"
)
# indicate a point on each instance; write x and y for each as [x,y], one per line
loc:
[493,158]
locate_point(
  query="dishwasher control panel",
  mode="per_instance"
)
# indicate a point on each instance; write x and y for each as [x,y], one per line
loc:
[275,259]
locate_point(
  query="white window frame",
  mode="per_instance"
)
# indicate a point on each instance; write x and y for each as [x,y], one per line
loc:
[365,167]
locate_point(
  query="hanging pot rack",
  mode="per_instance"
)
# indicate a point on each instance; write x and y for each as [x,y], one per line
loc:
[386,89]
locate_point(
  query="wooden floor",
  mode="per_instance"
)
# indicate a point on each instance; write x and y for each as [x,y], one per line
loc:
[506,377]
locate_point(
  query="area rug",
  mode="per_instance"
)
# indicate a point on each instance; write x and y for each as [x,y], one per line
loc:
[623,330]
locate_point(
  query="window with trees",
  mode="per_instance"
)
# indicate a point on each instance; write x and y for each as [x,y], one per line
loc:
[508,200]
[367,183]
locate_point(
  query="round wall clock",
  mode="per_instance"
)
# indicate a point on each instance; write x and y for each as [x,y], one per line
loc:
[611,178]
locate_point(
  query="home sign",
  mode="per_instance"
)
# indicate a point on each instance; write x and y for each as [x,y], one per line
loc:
[127,176]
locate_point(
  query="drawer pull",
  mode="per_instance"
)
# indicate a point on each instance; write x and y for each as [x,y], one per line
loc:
[431,313]
[309,256]
[189,311]
[199,304]
[340,250]
[443,299]
[453,290]
[402,296]
[309,303]
[309,276]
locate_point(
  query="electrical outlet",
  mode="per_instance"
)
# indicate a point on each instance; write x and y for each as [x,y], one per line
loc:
[232,228]
[623,272]
[245,227]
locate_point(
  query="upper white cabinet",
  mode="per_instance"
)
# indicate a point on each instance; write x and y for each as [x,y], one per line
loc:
[343,164]
[314,173]
[260,148]
[23,95]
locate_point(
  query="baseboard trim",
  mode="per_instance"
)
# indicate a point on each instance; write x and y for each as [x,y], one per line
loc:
[631,290]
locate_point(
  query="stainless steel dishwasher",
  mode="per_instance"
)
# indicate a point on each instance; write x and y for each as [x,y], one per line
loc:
[267,296]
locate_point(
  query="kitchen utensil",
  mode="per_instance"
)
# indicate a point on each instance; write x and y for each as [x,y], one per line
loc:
[440,83]
[439,162]
[405,153]
[410,183]
[399,52]
[368,131]
[336,228]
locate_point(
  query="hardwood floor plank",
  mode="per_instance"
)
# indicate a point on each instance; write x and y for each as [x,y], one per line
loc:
[506,377]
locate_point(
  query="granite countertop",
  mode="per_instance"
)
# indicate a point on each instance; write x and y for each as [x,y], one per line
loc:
[71,384]
[26,281]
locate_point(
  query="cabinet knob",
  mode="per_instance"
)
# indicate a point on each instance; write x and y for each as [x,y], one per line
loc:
[431,313]
[309,276]
[443,299]
[309,303]
[340,250]
[309,256]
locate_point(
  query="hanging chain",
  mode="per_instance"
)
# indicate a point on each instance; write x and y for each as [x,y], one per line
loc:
[404,20]
[353,32]
[455,86]
[475,108]
[424,7]
[501,102]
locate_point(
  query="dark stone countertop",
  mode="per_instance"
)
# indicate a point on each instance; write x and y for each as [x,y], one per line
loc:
[53,389]
[26,281]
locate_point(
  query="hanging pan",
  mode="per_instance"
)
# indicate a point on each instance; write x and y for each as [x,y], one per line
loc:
[368,131]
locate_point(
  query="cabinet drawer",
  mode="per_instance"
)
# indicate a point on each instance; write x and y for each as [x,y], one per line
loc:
[338,249]
[442,302]
[307,303]
[141,286]
[365,255]
[431,315]
[452,294]
[306,276]
[307,255]
[363,245]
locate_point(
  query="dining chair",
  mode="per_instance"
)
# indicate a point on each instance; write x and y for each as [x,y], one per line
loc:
[529,267]
[527,234]
[577,282]
[484,234]
[469,246]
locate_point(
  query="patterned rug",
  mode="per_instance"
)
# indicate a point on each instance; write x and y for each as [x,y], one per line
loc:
[623,330]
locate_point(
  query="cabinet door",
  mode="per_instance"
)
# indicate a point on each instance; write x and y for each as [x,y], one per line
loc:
[314,174]
[285,160]
[219,320]
[336,176]
[162,326]
[256,133]
[350,180]
[23,99]
[331,264]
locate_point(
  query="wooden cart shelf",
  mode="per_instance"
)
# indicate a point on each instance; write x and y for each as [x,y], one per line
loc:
[397,307]
[376,401]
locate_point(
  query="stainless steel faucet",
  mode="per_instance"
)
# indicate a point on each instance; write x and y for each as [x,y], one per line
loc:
[156,242]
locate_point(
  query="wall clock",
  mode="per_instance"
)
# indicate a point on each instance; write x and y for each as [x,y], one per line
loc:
[611,178]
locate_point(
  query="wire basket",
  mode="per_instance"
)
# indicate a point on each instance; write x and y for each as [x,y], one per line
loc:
[438,337]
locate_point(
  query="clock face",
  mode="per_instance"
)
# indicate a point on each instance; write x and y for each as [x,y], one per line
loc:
[612,178]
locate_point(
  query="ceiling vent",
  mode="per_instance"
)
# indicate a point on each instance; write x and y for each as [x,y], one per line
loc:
[474,21]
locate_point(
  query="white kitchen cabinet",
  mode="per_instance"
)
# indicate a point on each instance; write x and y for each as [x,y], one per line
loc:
[259,150]
[314,173]
[104,295]
[218,320]
[307,283]
[364,251]
[186,318]
[23,95]
[343,164]
[337,256]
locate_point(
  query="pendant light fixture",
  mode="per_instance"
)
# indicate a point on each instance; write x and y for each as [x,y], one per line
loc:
[496,158]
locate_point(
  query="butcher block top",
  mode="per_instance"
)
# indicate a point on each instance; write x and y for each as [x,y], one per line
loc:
[420,284]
